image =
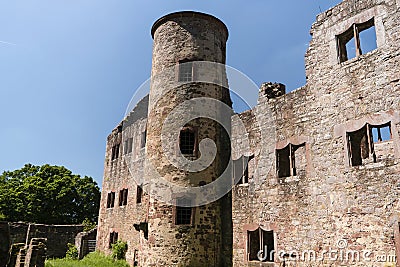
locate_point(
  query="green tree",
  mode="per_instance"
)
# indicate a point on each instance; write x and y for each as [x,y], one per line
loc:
[48,194]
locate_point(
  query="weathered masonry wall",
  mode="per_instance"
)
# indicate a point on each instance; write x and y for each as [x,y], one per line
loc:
[128,221]
[180,38]
[321,175]
[330,204]
[58,236]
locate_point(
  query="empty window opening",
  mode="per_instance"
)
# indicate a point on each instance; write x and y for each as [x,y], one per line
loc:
[381,133]
[183,211]
[187,142]
[128,145]
[357,40]
[364,144]
[113,239]
[123,197]
[115,152]
[110,200]
[368,39]
[260,241]
[290,160]
[185,71]
[143,139]
[243,168]
[139,194]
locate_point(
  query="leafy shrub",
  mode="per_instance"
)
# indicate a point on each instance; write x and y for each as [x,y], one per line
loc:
[72,252]
[94,259]
[119,250]
[88,225]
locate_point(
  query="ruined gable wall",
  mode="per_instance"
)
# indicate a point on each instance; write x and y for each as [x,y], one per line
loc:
[331,200]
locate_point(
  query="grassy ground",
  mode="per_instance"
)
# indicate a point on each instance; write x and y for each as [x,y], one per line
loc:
[92,260]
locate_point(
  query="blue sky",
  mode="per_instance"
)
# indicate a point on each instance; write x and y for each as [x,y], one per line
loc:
[68,69]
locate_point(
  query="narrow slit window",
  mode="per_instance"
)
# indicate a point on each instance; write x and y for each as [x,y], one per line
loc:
[115,152]
[187,142]
[128,145]
[139,194]
[123,197]
[143,139]
[183,211]
[110,200]
[113,239]
[359,39]
[185,71]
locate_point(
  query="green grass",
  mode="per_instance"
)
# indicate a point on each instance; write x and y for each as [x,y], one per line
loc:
[94,259]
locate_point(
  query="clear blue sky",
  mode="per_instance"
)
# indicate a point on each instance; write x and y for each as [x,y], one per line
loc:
[69,68]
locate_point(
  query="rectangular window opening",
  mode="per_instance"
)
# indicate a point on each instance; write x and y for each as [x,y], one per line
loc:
[243,168]
[123,197]
[260,245]
[187,142]
[110,200]
[128,145]
[291,160]
[364,144]
[115,152]
[357,40]
[185,71]
[183,211]
[368,40]
[381,133]
[139,194]
[113,239]
[143,139]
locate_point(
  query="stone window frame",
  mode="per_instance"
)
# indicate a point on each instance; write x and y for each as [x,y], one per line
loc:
[128,145]
[367,131]
[112,239]
[297,141]
[378,12]
[123,197]
[175,211]
[110,200]
[382,118]
[353,32]
[268,226]
[115,150]
[244,171]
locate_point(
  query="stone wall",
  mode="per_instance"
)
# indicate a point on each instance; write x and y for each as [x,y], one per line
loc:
[129,220]
[332,205]
[4,242]
[85,242]
[57,236]
[326,204]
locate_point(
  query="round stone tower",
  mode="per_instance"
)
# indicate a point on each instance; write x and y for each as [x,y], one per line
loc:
[187,146]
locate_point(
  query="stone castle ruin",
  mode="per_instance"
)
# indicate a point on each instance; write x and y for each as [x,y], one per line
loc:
[315,172]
